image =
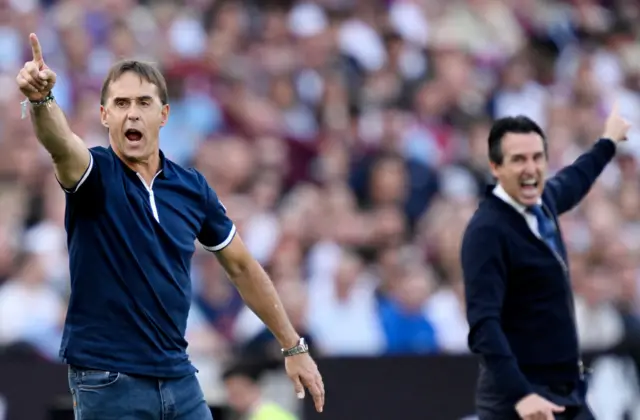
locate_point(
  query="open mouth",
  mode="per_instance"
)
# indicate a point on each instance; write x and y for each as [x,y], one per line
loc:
[133,135]
[529,185]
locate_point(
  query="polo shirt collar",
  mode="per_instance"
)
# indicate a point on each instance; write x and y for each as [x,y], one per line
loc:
[165,167]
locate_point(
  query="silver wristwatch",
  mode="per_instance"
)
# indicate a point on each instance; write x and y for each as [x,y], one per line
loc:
[301,347]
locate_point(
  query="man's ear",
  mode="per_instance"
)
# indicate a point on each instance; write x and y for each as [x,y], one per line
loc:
[494,169]
[165,115]
[103,116]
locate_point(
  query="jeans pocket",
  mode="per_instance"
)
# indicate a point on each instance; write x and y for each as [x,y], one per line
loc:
[95,379]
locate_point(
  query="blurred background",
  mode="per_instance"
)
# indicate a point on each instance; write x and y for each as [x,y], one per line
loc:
[347,138]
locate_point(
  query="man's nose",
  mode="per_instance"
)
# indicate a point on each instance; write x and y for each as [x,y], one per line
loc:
[530,168]
[133,113]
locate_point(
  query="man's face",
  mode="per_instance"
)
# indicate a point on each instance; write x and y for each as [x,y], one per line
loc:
[133,113]
[523,168]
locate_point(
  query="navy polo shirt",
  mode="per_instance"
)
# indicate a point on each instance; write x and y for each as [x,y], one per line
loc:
[130,248]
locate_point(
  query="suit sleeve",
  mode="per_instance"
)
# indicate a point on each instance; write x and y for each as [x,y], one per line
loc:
[217,230]
[569,186]
[485,276]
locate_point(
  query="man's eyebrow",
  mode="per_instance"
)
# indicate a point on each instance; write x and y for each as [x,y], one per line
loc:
[139,98]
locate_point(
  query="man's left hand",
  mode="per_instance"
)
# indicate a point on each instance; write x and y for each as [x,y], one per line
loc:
[303,371]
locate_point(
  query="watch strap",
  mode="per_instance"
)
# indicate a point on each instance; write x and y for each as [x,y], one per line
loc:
[300,348]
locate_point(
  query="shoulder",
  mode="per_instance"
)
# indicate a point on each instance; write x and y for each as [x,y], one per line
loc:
[486,227]
[187,175]
[486,218]
[271,411]
[102,157]
[548,200]
[192,180]
[100,152]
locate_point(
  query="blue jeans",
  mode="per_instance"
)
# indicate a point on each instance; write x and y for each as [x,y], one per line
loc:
[99,395]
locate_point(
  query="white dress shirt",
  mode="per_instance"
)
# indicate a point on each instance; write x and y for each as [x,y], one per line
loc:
[499,192]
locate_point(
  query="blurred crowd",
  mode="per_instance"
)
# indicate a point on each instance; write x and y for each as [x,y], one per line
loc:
[348,140]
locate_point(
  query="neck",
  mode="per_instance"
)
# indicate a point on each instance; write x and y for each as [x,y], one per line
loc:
[147,167]
[505,196]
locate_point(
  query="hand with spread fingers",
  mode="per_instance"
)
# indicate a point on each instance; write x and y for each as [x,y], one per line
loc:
[303,371]
[35,79]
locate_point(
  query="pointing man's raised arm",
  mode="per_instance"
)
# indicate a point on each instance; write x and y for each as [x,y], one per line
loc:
[70,156]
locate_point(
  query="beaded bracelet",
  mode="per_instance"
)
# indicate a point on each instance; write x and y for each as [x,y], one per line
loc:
[44,101]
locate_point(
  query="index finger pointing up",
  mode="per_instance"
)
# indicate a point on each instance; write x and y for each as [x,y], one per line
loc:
[615,108]
[36,49]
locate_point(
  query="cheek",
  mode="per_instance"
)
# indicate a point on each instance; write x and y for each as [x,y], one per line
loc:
[154,119]
[113,118]
[511,174]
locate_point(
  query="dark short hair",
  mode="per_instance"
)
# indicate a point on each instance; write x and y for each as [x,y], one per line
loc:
[249,370]
[519,124]
[146,71]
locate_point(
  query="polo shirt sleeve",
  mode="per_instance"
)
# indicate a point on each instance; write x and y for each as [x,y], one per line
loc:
[89,180]
[217,229]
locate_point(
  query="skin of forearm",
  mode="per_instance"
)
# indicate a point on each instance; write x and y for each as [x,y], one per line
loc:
[69,153]
[261,297]
[53,131]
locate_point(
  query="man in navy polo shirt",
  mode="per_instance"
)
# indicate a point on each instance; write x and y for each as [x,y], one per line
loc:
[132,219]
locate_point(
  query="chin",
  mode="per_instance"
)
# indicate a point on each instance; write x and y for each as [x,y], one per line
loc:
[135,153]
[529,199]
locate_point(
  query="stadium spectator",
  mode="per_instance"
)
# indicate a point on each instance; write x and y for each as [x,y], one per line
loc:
[246,398]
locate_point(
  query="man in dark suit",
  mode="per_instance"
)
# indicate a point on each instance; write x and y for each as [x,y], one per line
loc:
[517,286]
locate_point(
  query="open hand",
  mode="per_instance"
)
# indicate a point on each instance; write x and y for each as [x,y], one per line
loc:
[534,407]
[303,371]
[36,80]
[616,127]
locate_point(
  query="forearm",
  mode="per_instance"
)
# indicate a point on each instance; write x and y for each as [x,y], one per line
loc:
[260,295]
[69,154]
[52,129]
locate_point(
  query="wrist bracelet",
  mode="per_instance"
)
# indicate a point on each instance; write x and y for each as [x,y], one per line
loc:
[44,101]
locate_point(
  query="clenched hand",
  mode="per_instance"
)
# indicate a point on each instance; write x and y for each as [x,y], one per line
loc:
[35,79]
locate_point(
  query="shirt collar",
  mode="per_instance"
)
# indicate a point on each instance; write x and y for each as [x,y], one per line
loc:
[500,192]
[165,167]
